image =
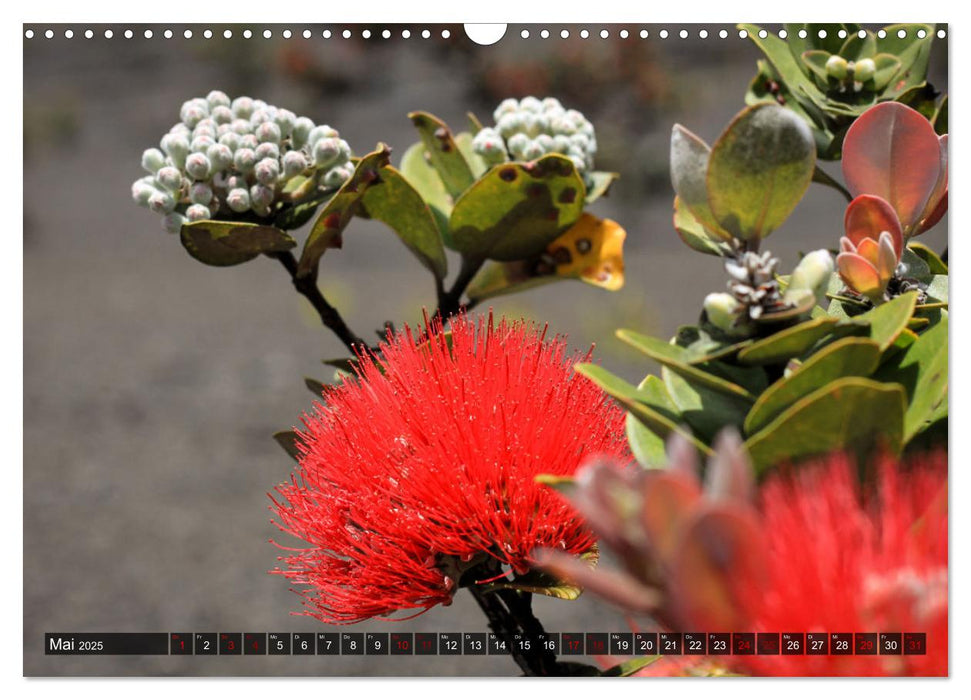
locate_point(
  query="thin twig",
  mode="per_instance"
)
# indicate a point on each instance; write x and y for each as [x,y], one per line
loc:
[449,303]
[823,178]
[307,286]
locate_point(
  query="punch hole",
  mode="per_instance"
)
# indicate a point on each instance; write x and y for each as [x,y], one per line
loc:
[485,34]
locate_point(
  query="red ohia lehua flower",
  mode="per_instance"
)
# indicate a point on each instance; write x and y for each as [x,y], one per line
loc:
[424,465]
[810,551]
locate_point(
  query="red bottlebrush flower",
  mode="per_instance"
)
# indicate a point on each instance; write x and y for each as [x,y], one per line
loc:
[841,559]
[425,463]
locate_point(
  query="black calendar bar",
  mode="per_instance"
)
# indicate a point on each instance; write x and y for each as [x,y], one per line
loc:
[480,643]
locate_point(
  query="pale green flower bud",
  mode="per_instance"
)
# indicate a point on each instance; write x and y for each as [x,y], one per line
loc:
[222,115]
[152,160]
[320,132]
[173,222]
[235,181]
[533,151]
[301,132]
[509,124]
[864,70]
[337,176]
[327,151]
[141,192]
[169,178]
[200,144]
[530,104]
[267,150]
[222,130]
[267,171]
[268,132]
[551,104]
[545,141]
[200,193]
[258,105]
[488,144]
[197,212]
[812,275]
[241,127]
[564,125]
[217,98]
[579,162]
[180,128]
[837,67]
[242,107]
[561,143]
[722,310]
[198,166]
[193,112]
[294,163]
[507,106]
[176,147]
[161,202]
[260,116]
[345,151]
[244,159]
[220,157]
[285,119]
[238,200]
[230,140]
[249,141]
[261,196]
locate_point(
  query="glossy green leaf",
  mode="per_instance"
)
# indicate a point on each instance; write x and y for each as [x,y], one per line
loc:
[443,153]
[226,243]
[937,289]
[849,413]
[849,357]
[888,320]
[856,47]
[515,210]
[913,53]
[598,184]
[705,410]
[815,61]
[636,403]
[923,372]
[631,666]
[333,219]
[694,234]
[396,203]
[287,439]
[935,265]
[677,359]
[416,170]
[788,343]
[887,68]
[476,163]
[759,169]
[648,447]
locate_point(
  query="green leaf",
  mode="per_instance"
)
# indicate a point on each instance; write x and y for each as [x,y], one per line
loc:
[935,265]
[937,289]
[515,210]
[788,343]
[333,219]
[940,118]
[689,170]
[396,203]
[477,164]
[634,401]
[598,184]
[759,169]
[705,410]
[849,357]
[888,320]
[422,176]
[693,233]
[294,217]
[851,412]
[287,439]
[702,347]
[543,583]
[443,152]
[631,666]
[912,52]
[923,372]
[917,267]
[499,278]
[855,47]
[815,60]
[225,243]
[887,67]
[678,360]
[648,446]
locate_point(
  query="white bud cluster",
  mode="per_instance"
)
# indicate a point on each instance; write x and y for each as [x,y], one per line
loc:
[227,157]
[530,128]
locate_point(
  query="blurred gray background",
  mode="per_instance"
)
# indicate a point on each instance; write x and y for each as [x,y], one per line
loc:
[152,383]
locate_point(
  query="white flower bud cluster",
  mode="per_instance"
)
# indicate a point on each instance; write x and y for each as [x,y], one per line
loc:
[530,128]
[227,157]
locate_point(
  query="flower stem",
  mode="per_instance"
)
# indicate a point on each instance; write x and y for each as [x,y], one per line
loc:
[824,178]
[307,286]
[449,302]
[510,613]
